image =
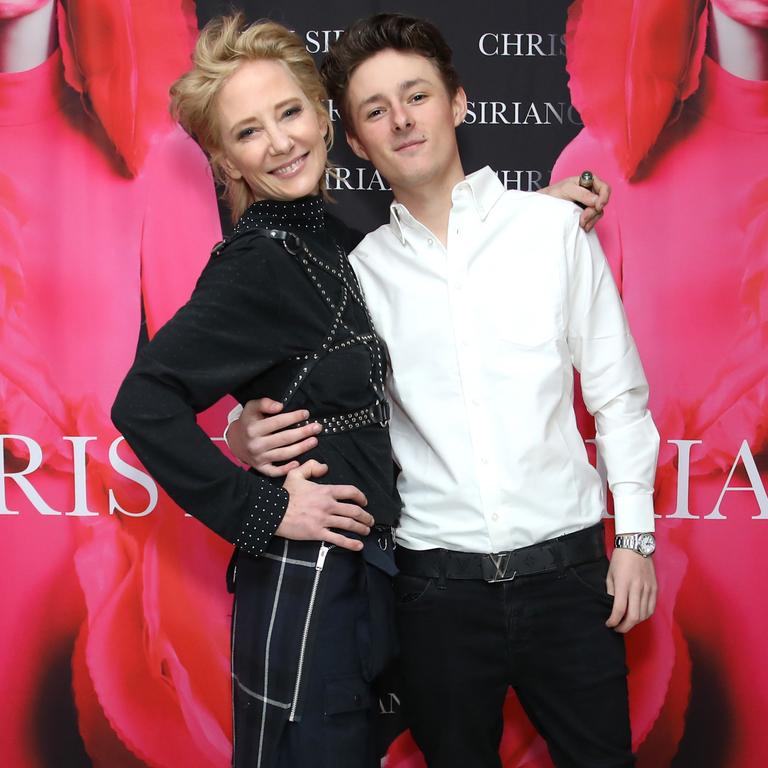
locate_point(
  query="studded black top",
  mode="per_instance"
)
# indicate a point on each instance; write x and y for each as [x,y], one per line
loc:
[264,320]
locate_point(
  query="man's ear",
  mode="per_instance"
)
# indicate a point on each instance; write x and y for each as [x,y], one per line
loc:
[459,107]
[357,147]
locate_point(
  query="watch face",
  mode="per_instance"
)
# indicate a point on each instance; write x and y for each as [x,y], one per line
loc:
[646,544]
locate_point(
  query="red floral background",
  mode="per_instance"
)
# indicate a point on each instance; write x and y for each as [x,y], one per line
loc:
[114,642]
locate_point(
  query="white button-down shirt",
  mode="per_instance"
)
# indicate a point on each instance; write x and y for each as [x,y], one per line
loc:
[484,335]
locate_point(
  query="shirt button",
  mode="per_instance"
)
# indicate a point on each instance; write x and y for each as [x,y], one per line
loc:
[484,460]
[457,285]
[494,517]
[430,241]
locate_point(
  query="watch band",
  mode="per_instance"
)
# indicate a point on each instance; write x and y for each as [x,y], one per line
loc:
[642,543]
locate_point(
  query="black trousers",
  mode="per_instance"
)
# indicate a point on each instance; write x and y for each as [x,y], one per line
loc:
[463,642]
[351,644]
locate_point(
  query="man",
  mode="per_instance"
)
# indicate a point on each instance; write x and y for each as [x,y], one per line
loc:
[487,300]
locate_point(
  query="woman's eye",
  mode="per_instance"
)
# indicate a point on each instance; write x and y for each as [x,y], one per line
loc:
[418,97]
[291,111]
[246,133]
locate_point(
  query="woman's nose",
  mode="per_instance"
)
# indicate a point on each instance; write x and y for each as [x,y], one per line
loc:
[280,142]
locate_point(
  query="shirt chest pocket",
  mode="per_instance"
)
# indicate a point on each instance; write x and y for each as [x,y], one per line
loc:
[517,299]
[521,320]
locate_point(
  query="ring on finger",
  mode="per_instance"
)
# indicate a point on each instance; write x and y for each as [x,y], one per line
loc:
[586,180]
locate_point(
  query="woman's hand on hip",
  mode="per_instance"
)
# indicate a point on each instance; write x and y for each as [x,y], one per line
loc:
[313,509]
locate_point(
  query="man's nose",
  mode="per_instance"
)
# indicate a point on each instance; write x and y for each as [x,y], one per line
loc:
[401,119]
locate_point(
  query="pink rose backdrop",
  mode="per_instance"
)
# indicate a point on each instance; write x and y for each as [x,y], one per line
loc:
[686,108]
[107,214]
[114,637]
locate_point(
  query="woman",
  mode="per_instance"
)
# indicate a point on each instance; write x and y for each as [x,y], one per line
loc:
[278,312]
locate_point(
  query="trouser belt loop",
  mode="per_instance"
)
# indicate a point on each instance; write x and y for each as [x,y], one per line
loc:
[441,578]
[557,556]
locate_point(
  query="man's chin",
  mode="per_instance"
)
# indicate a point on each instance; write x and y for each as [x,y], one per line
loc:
[407,178]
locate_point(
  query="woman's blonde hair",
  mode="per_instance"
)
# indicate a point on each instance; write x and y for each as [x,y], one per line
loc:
[224,44]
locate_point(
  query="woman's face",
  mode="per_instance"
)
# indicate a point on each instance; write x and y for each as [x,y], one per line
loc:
[13,9]
[272,135]
[753,13]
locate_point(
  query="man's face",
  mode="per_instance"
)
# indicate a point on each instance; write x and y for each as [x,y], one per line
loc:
[403,120]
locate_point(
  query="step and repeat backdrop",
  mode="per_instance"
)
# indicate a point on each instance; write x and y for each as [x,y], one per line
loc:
[114,618]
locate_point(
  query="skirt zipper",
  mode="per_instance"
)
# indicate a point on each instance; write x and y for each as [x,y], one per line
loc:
[232,663]
[321,555]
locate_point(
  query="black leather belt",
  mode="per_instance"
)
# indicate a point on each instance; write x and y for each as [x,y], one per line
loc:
[582,546]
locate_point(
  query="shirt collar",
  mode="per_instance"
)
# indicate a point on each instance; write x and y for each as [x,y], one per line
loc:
[483,186]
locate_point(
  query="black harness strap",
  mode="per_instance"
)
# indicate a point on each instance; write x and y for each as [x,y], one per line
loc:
[378,412]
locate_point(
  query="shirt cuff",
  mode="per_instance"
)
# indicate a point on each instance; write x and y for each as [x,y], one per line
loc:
[232,417]
[263,520]
[634,514]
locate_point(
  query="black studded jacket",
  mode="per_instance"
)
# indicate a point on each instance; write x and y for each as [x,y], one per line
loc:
[263,321]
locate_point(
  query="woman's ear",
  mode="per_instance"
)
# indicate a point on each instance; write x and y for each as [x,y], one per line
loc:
[325,119]
[229,169]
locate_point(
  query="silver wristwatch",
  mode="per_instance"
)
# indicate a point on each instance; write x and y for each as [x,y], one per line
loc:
[642,543]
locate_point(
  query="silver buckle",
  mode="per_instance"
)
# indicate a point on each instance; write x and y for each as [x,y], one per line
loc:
[500,561]
[379,412]
[291,242]
[383,538]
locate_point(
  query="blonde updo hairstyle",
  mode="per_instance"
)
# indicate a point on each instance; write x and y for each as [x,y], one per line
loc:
[224,44]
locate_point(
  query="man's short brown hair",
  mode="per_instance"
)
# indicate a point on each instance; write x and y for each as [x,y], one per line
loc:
[384,31]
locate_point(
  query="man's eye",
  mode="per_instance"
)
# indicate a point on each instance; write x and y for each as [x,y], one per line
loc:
[418,97]
[374,113]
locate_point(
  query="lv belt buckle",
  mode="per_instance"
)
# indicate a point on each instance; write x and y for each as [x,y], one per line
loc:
[496,567]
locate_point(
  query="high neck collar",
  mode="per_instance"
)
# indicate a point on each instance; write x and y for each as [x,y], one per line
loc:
[306,214]
[730,100]
[30,96]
